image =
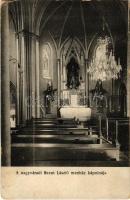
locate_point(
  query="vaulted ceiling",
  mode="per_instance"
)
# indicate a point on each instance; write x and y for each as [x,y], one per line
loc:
[83,18]
[79,18]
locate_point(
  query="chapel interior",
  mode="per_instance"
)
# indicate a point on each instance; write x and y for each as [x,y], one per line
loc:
[65,83]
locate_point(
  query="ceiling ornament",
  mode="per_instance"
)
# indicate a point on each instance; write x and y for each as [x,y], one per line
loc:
[103,65]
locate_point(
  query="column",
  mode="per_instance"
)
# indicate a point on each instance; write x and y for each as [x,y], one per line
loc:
[22,71]
[28,74]
[28,63]
[28,70]
[87,81]
[85,77]
[59,80]
[128,77]
[17,85]
[33,73]
[128,74]
[37,80]
[5,89]
[21,80]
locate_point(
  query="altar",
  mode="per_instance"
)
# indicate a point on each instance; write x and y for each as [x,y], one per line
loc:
[80,112]
[83,113]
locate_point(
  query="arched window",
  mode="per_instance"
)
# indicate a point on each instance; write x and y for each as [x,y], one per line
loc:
[47,61]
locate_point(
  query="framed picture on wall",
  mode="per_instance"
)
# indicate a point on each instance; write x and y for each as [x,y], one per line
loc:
[47,61]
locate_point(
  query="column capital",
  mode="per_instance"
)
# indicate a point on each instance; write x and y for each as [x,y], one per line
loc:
[27,33]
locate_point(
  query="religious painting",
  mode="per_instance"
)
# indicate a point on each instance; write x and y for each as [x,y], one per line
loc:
[47,61]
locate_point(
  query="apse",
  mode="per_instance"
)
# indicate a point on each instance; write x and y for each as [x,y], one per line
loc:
[74,32]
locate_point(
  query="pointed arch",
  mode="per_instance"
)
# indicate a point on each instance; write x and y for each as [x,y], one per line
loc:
[72,47]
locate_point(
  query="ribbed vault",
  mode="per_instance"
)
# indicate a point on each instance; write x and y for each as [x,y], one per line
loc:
[73,18]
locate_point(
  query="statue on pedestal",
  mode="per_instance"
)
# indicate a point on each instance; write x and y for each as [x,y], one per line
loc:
[98,94]
[72,74]
[49,97]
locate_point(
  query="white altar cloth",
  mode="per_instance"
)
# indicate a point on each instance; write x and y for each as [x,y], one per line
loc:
[80,112]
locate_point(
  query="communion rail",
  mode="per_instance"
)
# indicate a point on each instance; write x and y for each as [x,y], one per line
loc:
[115,131]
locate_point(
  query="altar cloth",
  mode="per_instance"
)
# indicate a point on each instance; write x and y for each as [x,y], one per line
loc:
[80,112]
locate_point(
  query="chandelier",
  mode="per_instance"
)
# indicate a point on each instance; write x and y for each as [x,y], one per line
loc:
[103,65]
